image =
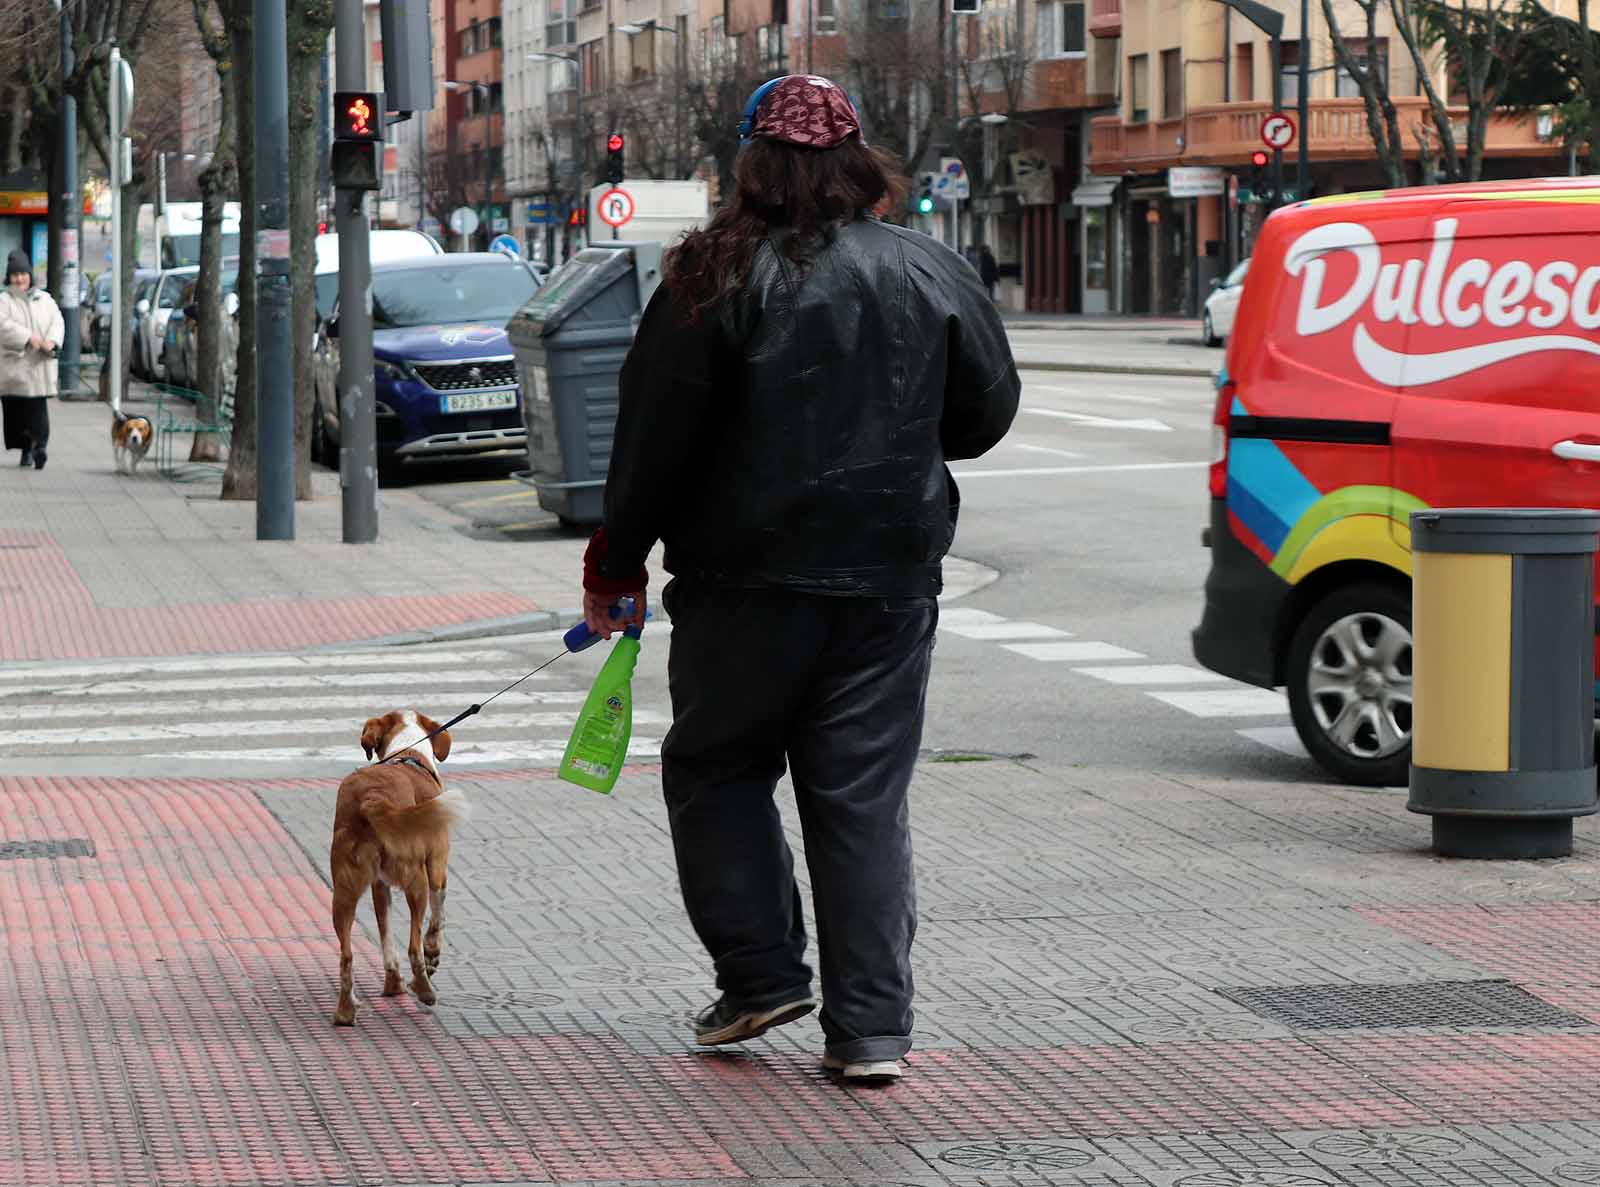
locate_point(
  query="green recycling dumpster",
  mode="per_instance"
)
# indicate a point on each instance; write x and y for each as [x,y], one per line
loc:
[570,341]
[1503,687]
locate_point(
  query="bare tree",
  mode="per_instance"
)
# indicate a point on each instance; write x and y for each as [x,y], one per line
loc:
[1371,77]
[217,182]
[995,74]
[239,480]
[897,70]
[310,24]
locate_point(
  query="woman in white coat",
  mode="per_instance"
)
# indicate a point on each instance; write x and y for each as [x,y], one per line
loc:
[31,332]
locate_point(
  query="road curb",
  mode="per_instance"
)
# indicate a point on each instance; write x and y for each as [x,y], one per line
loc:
[1118,369]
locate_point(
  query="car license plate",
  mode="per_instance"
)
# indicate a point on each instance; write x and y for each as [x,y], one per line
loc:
[478,401]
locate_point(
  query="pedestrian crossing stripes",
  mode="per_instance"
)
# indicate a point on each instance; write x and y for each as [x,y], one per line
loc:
[298,712]
[1174,685]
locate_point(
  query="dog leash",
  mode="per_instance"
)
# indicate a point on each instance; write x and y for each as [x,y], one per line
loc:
[578,638]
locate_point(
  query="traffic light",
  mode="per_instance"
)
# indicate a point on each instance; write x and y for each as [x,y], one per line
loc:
[925,202]
[1258,176]
[358,115]
[578,216]
[614,151]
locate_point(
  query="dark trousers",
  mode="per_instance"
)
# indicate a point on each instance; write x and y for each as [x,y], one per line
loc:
[835,687]
[26,421]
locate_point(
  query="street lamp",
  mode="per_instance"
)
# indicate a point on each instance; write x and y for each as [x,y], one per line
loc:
[633,29]
[482,88]
[577,112]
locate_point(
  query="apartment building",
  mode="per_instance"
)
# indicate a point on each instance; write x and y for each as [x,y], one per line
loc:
[1194,86]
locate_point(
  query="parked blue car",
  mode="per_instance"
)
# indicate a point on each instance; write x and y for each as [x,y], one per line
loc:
[445,378]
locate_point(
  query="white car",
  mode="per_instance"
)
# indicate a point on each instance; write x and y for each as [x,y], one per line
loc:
[166,296]
[1222,304]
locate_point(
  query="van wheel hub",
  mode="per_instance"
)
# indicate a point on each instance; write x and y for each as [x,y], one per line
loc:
[1360,684]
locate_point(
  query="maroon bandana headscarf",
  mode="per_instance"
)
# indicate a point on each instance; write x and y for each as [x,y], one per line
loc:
[807,110]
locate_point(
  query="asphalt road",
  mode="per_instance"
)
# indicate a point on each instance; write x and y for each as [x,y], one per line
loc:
[1090,514]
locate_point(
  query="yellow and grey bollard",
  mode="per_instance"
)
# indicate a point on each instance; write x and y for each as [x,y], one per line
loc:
[1503,678]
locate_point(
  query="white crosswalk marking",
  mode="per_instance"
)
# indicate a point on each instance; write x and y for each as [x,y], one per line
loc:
[1227,702]
[1085,652]
[1283,738]
[1005,630]
[1153,674]
[965,616]
[298,710]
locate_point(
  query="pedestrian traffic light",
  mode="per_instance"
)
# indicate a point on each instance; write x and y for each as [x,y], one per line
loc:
[925,201]
[578,216]
[358,115]
[614,149]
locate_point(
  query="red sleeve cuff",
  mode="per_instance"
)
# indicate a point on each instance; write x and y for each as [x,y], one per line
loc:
[596,582]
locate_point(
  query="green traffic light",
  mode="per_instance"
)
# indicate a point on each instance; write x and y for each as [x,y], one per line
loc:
[924,205]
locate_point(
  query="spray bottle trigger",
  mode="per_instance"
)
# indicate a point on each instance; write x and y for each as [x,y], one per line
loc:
[581,638]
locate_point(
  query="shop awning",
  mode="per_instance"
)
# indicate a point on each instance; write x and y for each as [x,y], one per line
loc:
[1096,191]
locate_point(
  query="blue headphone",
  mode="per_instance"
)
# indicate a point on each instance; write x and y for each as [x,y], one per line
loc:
[747,121]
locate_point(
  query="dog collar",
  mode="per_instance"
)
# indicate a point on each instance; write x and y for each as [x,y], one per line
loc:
[412,760]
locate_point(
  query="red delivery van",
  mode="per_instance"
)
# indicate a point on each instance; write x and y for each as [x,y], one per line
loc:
[1435,347]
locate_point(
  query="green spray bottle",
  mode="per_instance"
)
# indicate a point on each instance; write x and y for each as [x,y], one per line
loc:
[599,743]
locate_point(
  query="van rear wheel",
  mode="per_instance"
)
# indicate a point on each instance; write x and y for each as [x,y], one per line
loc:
[1349,677]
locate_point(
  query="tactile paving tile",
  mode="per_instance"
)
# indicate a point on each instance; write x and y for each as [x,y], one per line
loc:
[47,850]
[1433,1004]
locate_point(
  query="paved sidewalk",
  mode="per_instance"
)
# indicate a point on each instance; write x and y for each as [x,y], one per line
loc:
[1124,981]
[1124,346]
[93,563]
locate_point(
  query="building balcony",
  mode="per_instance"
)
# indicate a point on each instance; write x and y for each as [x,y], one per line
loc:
[1227,133]
[1105,18]
[1053,83]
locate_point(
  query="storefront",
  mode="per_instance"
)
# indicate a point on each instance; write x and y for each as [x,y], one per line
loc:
[25,218]
[1092,201]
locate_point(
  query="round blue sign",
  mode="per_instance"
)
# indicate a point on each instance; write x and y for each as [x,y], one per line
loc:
[506,244]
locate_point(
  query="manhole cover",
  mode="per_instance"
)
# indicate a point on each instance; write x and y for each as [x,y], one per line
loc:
[1110,986]
[1585,1171]
[1211,1028]
[1017,1156]
[66,847]
[508,999]
[639,974]
[1389,1145]
[1428,1003]
[1251,1178]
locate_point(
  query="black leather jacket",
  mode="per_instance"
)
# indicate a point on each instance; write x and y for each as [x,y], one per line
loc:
[798,436]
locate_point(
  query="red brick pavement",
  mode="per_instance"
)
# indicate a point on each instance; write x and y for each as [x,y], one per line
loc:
[46,612]
[164,1020]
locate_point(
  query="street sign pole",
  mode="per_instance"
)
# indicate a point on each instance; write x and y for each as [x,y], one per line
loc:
[275,368]
[119,315]
[1277,106]
[71,218]
[358,432]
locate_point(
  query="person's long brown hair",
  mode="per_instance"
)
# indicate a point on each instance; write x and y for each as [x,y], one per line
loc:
[806,193]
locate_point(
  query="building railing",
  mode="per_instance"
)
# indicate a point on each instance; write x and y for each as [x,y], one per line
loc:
[1105,18]
[1227,133]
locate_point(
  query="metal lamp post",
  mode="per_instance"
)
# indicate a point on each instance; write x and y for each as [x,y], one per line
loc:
[482,88]
[633,30]
[577,112]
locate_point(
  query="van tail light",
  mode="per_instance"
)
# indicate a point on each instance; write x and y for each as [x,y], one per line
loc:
[1219,435]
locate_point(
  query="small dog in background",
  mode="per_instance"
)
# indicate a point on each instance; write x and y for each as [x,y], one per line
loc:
[391,827]
[130,440]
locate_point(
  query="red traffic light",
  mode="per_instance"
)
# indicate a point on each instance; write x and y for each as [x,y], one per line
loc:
[358,115]
[1258,158]
[614,143]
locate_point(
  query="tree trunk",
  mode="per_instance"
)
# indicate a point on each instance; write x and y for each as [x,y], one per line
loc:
[239,481]
[216,180]
[133,194]
[310,22]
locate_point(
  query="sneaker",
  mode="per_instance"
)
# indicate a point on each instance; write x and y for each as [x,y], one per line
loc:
[722,1022]
[865,1071]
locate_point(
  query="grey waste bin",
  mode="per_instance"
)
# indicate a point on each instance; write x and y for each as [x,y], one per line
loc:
[1503,684]
[570,340]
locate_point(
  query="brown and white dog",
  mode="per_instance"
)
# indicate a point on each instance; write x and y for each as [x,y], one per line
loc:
[130,440]
[391,827]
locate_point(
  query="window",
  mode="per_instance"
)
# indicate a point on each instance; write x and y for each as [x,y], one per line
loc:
[642,54]
[1346,87]
[1060,29]
[1171,84]
[1244,72]
[1139,88]
[769,46]
[469,41]
[1289,70]
[494,33]
[592,54]
[826,15]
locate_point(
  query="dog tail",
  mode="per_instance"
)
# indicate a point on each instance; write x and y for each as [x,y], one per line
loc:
[409,832]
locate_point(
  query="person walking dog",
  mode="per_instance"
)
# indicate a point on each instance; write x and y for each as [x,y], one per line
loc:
[796,386]
[31,332]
